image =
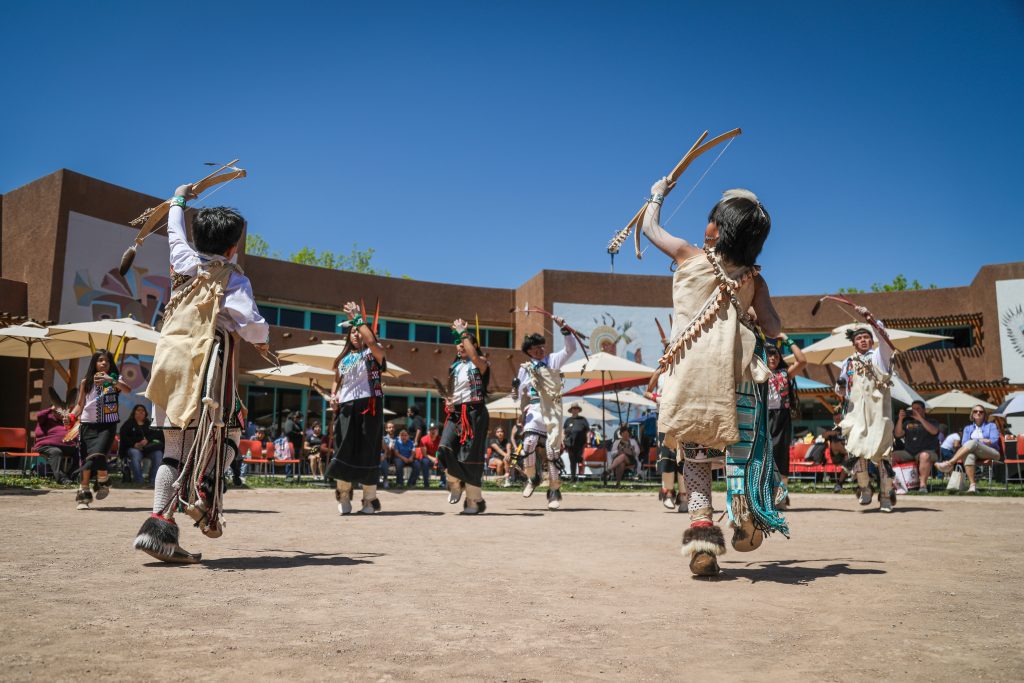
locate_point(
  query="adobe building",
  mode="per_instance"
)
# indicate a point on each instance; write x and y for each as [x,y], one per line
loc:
[62,236]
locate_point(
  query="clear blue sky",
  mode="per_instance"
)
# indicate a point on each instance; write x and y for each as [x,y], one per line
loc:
[883,137]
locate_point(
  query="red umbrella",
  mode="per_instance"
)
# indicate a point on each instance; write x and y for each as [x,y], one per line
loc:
[596,386]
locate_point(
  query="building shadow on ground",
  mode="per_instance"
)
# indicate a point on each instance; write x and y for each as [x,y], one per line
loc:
[792,572]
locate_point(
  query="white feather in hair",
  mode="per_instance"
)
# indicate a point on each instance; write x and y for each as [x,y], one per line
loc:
[740,193]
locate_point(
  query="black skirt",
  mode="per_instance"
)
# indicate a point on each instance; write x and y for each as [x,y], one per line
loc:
[359,435]
[464,441]
[97,438]
[780,425]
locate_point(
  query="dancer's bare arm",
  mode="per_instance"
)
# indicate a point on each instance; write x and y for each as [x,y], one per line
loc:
[674,247]
[764,309]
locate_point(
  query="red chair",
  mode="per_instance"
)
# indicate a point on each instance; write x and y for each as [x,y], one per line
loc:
[595,459]
[14,444]
[253,455]
[1013,450]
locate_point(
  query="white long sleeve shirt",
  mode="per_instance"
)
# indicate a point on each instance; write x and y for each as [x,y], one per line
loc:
[533,421]
[880,356]
[239,313]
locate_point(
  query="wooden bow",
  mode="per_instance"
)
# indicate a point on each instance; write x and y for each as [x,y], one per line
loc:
[580,337]
[866,314]
[698,148]
[150,218]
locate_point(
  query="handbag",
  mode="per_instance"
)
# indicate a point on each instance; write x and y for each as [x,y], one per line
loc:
[957,480]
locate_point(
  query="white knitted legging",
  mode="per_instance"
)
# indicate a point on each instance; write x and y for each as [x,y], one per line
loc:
[697,476]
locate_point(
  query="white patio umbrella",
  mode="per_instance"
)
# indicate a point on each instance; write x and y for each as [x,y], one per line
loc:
[506,409]
[605,366]
[29,341]
[298,374]
[837,348]
[322,355]
[956,401]
[1013,405]
[139,338]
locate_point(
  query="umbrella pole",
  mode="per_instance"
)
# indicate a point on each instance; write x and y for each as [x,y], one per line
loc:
[28,393]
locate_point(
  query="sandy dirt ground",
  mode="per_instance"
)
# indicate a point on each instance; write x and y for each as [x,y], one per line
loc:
[596,591]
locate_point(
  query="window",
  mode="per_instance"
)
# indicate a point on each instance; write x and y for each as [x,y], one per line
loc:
[425,332]
[501,339]
[324,322]
[397,330]
[962,338]
[290,317]
[269,313]
[805,339]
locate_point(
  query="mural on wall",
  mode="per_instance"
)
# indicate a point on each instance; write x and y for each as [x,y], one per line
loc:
[626,331]
[1010,307]
[93,289]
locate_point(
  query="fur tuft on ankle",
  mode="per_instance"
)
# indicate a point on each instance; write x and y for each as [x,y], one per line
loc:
[706,539]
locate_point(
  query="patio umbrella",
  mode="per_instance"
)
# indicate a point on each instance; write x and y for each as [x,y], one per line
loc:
[956,401]
[507,409]
[1013,405]
[298,374]
[593,386]
[109,333]
[29,341]
[605,366]
[837,348]
[323,355]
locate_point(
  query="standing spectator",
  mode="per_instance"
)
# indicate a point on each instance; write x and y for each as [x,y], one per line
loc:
[428,447]
[982,441]
[314,444]
[501,450]
[416,425]
[293,431]
[387,453]
[139,440]
[49,442]
[575,430]
[403,457]
[920,441]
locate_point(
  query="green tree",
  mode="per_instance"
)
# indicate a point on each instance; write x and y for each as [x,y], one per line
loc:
[255,245]
[898,284]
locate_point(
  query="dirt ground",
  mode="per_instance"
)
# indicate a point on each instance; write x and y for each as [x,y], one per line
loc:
[596,591]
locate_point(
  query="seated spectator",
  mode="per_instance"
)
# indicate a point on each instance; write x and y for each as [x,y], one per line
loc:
[626,452]
[594,439]
[139,440]
[404,456]
[500,451]
[387,452]
[293,430]
[261,436]
[981,441]
[920,442]
[49,443]
[949,447]
[283,450]
[312,445]
[429,444]
[837,451]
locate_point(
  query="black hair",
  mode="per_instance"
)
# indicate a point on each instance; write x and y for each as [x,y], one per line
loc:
[414,409]
[136,407]
[623,428]
[852,334]
[743,226]
[472,340]
[91,369]
[916,401]
[349,347]
[531,340]
[217,229]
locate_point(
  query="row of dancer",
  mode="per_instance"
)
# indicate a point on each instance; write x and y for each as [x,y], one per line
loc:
[357,403]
